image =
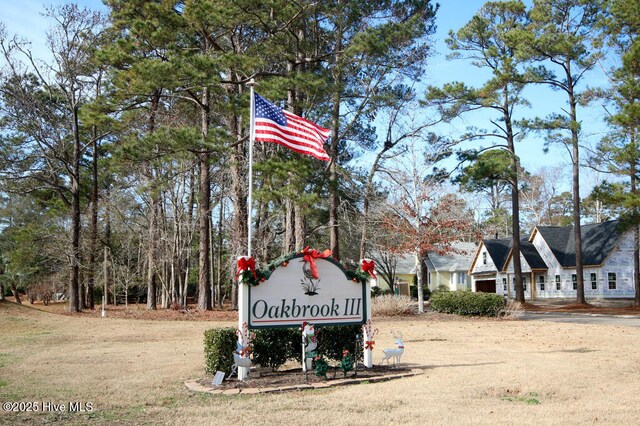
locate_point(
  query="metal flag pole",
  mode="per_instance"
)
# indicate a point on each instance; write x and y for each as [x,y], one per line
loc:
[243,291]
[252,134]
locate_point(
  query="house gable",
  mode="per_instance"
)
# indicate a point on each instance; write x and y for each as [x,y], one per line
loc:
[490,257]
[528,255]
[530,259]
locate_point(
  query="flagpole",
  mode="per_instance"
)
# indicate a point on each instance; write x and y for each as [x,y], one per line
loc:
[252,134]
[243,290]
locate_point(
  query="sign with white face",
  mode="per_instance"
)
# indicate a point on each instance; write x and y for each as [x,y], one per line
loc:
[292,296]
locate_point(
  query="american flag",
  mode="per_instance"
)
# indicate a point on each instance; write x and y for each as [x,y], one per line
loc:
[273,124]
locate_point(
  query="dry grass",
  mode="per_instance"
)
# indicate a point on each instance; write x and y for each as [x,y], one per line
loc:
[512,311]
[389,305]
[476,371]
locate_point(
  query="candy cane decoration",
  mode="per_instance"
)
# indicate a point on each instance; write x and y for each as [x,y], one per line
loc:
[243,347]
[367,338]
[368,335]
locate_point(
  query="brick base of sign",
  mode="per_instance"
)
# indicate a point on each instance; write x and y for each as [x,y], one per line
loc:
[293,380]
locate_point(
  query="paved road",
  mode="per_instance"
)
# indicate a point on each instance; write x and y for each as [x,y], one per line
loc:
[620,320]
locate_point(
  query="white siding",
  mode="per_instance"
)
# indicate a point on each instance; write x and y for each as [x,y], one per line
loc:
[620,262]
[523,264]
[480,266]
[545,252]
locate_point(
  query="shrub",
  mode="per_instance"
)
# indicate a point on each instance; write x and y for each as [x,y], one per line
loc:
[390,305]
[467,303]
[377,291]
[334,339]
[425,292]
[42,291]
[219,344]
[272,347]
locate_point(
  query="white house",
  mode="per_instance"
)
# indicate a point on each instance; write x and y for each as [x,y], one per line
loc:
[487,264]
[549,263]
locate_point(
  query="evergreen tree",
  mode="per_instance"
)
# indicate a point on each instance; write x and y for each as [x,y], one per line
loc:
[43,137]
[564,35]
[490,40]
[619,152]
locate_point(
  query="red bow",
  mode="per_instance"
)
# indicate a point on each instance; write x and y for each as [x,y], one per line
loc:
[369,344]
[368,267]
[310,256]
[245,263]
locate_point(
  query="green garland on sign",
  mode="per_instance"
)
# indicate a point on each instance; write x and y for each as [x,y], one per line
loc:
[355,274]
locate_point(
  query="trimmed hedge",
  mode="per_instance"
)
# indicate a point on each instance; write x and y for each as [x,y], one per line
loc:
[467,303]
[273,347]
[219,344]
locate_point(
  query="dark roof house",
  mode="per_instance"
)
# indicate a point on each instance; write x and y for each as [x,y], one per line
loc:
[598,240]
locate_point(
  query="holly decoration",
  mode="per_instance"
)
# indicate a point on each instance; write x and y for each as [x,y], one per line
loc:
[321,367]
[256,276]
[346,364]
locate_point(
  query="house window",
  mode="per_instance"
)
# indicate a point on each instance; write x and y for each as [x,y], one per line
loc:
[484,257]
[574,280]
[594,281]
[504,284]
[612,280]
[524,283]
[541,281]
[558,282]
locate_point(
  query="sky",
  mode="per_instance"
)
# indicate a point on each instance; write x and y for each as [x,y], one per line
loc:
[25,19]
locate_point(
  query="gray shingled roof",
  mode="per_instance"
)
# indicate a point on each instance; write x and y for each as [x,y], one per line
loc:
[598,240]
[498,250]
[406,264]
[531,255]
[460,260]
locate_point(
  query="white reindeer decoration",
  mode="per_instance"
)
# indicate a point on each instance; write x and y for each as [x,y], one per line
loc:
[243,348]
[395,353]
[239,361]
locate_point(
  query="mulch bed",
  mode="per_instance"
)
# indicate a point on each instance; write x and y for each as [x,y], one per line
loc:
[294,378]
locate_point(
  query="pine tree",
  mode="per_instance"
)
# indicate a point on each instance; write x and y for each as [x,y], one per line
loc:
[489,40]
[564,35]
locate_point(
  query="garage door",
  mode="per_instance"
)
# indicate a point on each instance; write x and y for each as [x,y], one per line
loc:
[486,286]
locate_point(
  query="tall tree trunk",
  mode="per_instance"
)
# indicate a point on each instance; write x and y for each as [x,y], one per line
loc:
[580,299]
[93,229]
[151,254]
[239,191]
[300,227]
[515,229]
[334,234]
[74,290]
[219,274]
[515,201]
[419,256]
[204,211]
[153,218]
[107,242]
[288,241]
